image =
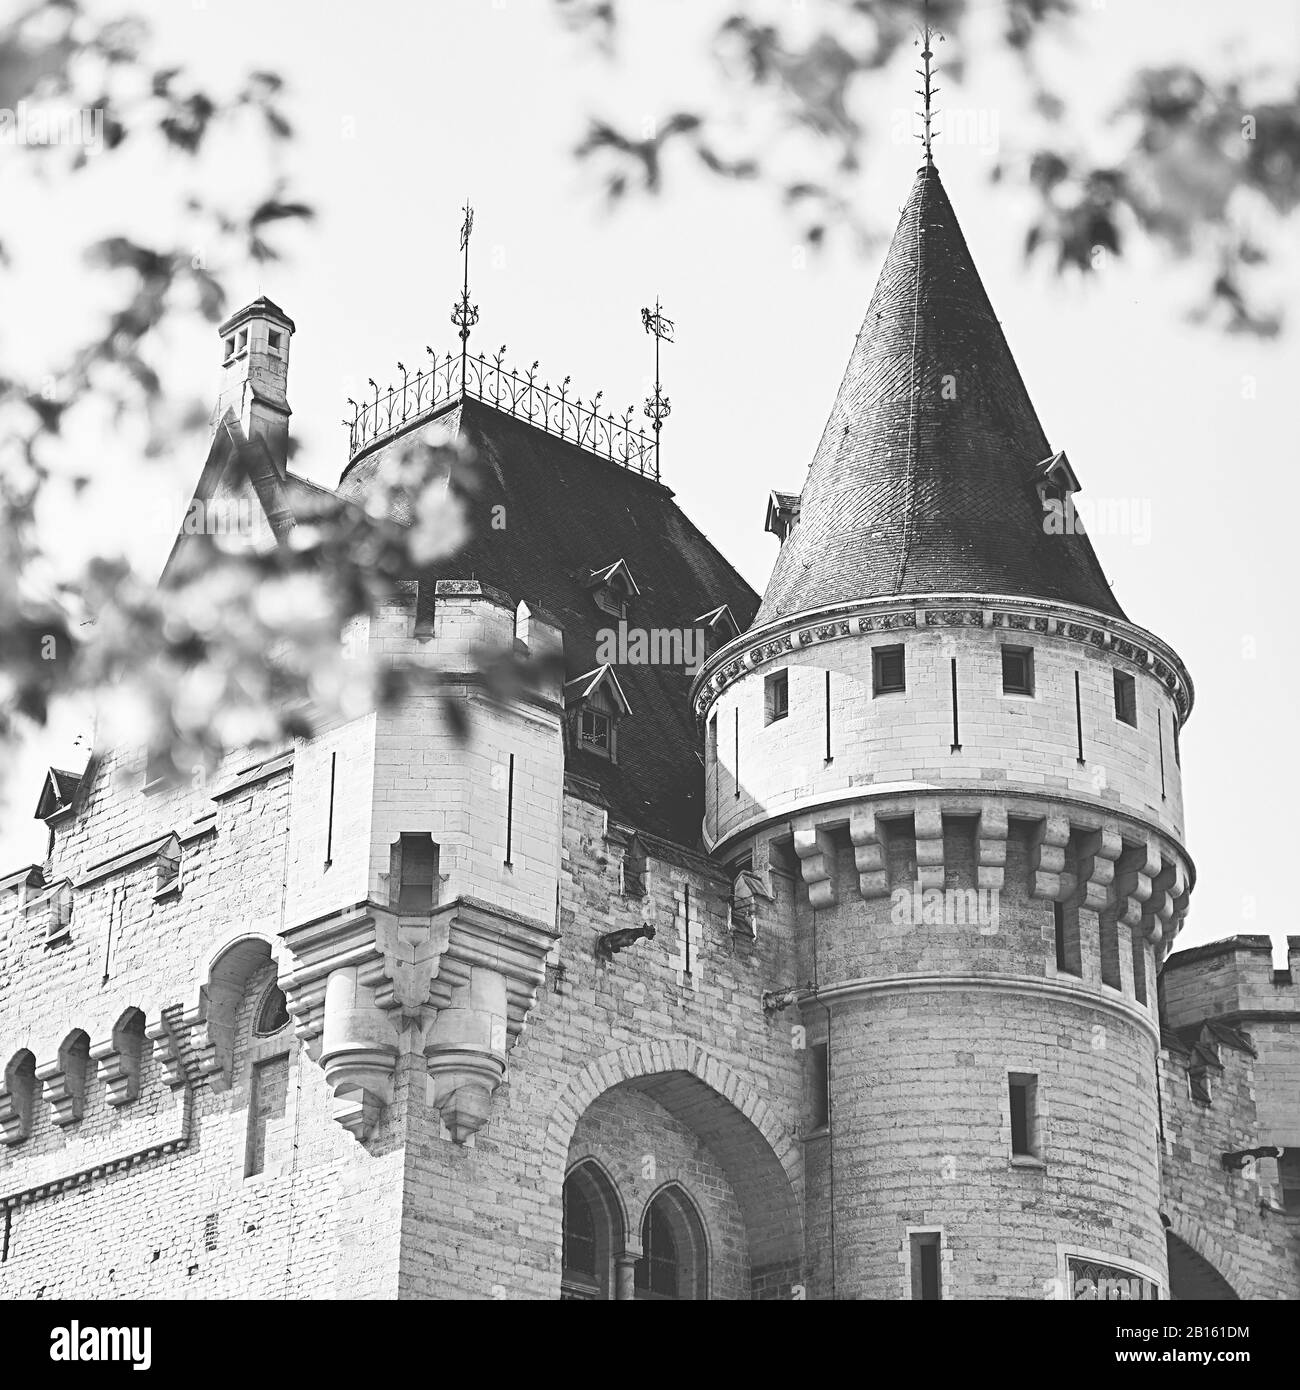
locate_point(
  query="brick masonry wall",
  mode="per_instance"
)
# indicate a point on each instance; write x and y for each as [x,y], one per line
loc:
[1232,1220]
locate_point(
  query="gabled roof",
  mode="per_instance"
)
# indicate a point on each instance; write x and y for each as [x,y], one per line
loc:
[1057,469]
[602,678]
[721,618]
[609,573]
[58,792]
[923,479]
[566,508]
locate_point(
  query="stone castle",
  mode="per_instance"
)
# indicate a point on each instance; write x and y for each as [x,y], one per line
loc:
[835,968]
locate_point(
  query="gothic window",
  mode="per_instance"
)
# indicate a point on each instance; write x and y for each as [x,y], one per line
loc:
[272,1012]
[674,1259]
[592,1233]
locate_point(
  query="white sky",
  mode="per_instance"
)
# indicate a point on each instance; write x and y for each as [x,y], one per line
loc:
[404,109]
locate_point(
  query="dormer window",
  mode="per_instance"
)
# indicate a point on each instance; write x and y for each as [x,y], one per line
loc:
[613,588]
[1055,482]
[596,703]
[719,625]
[782,513]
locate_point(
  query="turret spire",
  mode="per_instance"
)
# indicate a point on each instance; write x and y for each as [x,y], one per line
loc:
[927,90]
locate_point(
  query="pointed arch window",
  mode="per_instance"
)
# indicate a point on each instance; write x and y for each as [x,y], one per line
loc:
[592,1234]
[674,1260]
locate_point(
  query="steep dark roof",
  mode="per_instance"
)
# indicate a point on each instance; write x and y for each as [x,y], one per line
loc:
[566,513]
[916,489]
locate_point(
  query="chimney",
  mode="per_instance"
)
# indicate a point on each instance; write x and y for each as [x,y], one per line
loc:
[255,374]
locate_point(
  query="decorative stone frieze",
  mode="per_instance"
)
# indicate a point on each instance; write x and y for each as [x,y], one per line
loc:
[1116,638]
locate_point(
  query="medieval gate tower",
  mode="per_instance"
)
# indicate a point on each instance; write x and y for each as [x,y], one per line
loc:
[943,711]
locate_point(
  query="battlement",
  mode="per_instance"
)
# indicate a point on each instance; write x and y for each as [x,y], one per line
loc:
[1234,980]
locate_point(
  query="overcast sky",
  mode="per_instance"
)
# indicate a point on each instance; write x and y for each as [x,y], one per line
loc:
[403,110]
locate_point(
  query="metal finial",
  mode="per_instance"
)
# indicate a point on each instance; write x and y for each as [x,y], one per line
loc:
[927,91]
[658,406]
[464,314]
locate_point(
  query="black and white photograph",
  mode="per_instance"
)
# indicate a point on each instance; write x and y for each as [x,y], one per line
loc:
[644,656]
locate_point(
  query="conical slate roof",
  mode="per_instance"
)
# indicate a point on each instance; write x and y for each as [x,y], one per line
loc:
[923,480]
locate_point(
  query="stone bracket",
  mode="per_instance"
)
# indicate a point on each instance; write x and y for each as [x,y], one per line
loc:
[928,823]
[816,854]
[869,851]
[1099,852]
[992,847]
[1047,859]
[1138,866]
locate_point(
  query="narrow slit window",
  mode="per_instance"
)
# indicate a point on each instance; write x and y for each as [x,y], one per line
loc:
[1068,945]
[1023,1096]
[776,693]
[1126,710]
[888,671]
[1017,671]
[927,1278]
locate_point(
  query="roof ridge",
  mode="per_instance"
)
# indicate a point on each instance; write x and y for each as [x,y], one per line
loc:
[915,402]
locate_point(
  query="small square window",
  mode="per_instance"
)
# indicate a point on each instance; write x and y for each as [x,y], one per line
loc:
[273,341]
[1126,709]
[230,347]
[888,672]
[596,731]
[927,1279]
[776,694]
[1017,670]
[242,341]
[1023,1095]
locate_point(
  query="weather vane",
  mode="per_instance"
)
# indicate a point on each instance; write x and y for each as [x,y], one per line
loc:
[926,93]
[464,314]
[657,407]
